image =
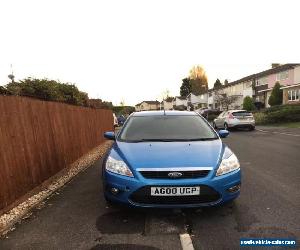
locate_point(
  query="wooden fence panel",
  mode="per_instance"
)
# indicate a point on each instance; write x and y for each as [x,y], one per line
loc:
[39,138]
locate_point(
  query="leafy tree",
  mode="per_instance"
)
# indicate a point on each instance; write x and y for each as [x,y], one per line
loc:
[226,82]
[123,110]
[186,87]
[99,104]
[49,90]
[217,84]
[198,79]
[276,95]
[3,91]
[224,100]
[248,103]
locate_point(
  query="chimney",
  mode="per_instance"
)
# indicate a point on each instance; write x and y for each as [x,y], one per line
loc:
[274,65]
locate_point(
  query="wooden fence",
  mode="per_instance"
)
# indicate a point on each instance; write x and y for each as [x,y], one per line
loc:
[39,138]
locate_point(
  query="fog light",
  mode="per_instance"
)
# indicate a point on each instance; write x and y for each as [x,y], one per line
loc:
[234,188]
[114,191]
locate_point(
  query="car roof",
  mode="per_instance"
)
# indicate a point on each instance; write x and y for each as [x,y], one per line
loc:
[162,112]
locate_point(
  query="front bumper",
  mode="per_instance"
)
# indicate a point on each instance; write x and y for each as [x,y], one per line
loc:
[136,191]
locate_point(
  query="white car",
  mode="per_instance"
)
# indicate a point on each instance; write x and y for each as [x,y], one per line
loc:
[234,119]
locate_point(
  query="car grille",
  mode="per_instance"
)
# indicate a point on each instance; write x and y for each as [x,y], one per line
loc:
[164,174]
[143,196]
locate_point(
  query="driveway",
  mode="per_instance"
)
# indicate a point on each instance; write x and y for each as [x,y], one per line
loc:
[77,217]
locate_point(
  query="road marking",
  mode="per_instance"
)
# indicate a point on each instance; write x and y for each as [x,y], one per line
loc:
[280,133]
[186,242]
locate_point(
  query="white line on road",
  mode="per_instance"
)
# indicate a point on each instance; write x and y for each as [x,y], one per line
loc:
[186,242]
[264,131]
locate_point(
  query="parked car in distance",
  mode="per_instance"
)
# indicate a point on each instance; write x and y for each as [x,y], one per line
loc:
[210,114]
[234,119]
[121,120]
[116,124]
[169,159]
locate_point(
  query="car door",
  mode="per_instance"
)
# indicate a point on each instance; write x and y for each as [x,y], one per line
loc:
[222,119]
[218,121]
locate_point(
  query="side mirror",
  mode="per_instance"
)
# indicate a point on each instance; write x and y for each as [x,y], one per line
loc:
[110,135]
[223,133]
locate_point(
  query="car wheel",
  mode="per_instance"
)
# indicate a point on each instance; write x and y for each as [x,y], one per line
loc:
[226,126]
[251,128]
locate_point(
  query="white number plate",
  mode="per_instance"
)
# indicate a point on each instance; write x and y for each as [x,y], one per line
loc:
[174,191]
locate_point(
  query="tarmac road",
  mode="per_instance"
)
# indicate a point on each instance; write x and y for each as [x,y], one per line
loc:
[78,218]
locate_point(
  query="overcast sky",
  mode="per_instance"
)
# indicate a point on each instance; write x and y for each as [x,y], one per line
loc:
[135,50]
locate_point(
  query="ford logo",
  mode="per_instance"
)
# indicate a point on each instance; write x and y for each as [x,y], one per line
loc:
[174,174]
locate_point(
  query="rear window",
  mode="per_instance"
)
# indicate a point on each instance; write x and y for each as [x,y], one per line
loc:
[242,113]
[175,128]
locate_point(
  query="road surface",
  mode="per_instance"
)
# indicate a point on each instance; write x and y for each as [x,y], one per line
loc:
[78,218]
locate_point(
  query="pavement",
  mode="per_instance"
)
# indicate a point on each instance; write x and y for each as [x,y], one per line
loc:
[78,218]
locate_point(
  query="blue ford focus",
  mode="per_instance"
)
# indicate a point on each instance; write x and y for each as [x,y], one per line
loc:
[170,159]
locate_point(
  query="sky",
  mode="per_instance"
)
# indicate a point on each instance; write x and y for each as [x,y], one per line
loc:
[125,50]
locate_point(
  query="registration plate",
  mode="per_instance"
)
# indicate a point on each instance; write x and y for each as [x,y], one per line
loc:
[174,191]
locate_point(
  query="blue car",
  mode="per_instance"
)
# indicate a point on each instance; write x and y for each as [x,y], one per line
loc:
[170,159]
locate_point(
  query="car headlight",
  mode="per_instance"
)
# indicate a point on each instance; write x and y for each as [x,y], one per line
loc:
[117,167]
[229,163]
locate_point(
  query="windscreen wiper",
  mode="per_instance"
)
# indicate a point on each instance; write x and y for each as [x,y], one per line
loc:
[173,140]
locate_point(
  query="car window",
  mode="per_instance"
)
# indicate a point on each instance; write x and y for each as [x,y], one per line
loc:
[173,127]
[242,113]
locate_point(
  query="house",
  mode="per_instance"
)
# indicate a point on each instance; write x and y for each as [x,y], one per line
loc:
[259,86]
[197,101]
[147,105]
[291,94]
[168,103]
[286,75]
[180,103]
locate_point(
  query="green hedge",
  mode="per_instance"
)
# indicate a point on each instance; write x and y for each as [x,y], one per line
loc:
[278,114]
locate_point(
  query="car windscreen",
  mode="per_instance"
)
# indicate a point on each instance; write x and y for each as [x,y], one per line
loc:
[241,113]
[166,128]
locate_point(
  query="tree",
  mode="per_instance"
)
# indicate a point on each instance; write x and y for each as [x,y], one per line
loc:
[248,103]
[198,79]
[223,99]
[186,87]
[48,90]
[217,84]
[3,91]
[165,94]
[276,95]
[226,82]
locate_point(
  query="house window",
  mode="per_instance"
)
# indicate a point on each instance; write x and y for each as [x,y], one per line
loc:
[282,76]
[262,81]
[293,95]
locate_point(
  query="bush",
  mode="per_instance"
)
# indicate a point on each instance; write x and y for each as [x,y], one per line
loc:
[48,90]
[277,114]
[285,115]
[248,103]
[260,118]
